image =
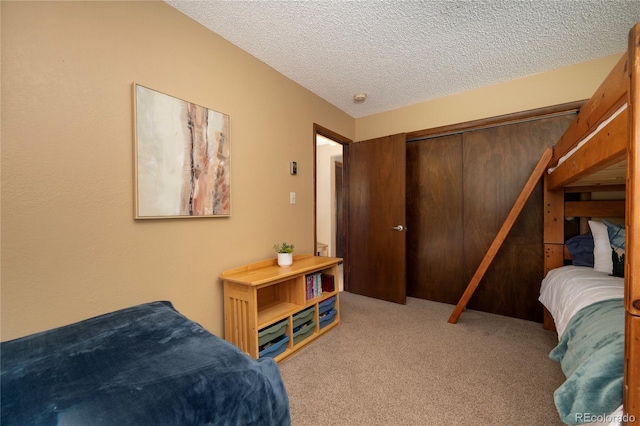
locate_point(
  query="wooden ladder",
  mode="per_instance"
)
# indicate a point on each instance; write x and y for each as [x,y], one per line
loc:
[502,234]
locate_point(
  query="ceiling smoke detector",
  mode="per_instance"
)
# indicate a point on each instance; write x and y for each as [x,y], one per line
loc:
[359,98]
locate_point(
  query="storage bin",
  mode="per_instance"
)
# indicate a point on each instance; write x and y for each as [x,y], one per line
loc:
[303,316]
[305,331]
[327,317]
[272,332]
[326,305]
[276,348]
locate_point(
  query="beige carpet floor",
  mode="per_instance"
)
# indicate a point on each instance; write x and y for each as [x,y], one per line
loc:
[390,364]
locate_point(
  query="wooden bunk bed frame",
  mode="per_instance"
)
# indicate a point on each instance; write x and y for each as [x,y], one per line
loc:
[611,156]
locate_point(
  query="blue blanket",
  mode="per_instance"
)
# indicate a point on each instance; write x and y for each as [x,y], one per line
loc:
[591,353]
[144,365]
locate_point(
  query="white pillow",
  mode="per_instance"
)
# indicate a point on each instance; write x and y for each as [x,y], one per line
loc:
[601,247]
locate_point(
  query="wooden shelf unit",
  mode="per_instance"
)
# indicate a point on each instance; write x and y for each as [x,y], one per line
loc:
[261,294]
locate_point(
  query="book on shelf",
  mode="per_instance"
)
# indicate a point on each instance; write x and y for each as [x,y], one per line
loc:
[313,284]
[309,286]
[327,282]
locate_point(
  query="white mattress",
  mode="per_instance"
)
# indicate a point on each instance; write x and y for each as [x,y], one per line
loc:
[588,138]
[568,289]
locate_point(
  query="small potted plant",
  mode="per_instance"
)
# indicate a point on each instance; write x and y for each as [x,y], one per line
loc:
[285,253]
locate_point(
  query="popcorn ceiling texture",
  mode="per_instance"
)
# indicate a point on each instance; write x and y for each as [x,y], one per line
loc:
[403,53]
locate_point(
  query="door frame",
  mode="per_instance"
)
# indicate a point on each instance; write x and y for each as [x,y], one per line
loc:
[337,203]
[344,141]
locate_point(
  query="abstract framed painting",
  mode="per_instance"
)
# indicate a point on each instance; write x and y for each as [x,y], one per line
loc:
[181,160]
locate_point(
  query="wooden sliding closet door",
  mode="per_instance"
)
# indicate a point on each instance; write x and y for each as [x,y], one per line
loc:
[497,163]
[435,263]
[460,189]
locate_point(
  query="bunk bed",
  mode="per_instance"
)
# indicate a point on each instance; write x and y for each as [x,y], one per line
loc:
[600,151]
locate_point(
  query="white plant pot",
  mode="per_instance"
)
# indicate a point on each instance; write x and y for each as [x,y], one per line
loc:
[285,259]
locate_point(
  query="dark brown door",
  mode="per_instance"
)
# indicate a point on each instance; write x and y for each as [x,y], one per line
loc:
[460,189]
[435,261]
[497,163]
[340,235]
[376,176]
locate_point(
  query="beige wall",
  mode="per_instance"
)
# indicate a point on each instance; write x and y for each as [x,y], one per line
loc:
[560,86]
[70,246]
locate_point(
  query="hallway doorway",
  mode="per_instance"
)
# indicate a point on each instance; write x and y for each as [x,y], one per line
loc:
[330,236]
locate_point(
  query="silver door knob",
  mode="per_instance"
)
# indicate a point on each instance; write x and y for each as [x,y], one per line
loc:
[399,228]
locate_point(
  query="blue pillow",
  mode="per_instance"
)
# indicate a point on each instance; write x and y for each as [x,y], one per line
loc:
[581,249]
[617,240]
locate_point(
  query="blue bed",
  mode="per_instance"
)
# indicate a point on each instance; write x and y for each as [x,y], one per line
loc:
[144,365]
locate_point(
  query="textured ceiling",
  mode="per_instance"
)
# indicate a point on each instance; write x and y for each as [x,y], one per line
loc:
[405,52]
